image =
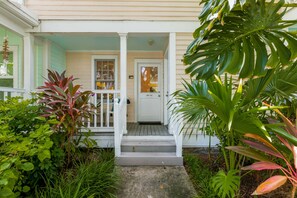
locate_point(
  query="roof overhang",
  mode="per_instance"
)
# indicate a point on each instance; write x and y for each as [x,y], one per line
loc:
[17,17]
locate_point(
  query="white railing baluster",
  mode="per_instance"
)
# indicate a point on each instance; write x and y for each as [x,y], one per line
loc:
[95,111]
[101,109]
[107,111]
[10,92]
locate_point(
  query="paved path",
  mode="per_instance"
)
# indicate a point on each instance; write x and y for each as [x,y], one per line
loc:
[155,182]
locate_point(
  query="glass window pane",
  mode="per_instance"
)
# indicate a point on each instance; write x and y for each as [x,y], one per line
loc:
[105,76]
[149,79]
[10,63]
[6,82]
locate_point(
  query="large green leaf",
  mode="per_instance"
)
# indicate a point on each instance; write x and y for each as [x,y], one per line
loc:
[251,37]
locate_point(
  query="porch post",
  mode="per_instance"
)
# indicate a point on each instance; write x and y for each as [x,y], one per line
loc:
[171,71]
[123,74]
[28,64]
[172,62]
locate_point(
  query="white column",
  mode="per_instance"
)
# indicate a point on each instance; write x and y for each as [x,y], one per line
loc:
[28,64]
[172,62]
[171,72]
[46,57]
[123,73]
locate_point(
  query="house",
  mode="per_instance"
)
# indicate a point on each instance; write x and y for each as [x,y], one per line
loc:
[122,50]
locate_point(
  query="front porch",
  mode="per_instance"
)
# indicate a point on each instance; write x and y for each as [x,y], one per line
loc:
[109,64]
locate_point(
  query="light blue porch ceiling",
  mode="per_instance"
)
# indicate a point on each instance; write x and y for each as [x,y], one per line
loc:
[79,42]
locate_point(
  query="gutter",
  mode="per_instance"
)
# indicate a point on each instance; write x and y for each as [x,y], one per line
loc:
[20,12]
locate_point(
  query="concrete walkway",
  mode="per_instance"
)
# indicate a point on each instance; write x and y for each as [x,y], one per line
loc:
[155,182]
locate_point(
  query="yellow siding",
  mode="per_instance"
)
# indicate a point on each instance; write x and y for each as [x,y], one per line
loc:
[172,10]
[79,64]
[182,42]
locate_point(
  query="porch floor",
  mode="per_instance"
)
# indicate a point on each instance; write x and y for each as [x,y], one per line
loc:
[136,129]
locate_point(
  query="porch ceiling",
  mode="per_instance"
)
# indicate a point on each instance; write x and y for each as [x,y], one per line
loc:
[111,41]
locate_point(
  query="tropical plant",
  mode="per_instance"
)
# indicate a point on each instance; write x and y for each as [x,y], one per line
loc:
[284,148]
[226,185]
[24,148]
[213,107]
[240,37]
[64,100]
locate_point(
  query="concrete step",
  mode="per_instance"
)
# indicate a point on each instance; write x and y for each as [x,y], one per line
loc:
[148,146]
[149,159]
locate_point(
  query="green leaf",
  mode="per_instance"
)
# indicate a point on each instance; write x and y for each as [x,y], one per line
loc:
[6,192]
[4,166]
[226,185]
[3,182]
[28,166]
[45,154]
[26,189]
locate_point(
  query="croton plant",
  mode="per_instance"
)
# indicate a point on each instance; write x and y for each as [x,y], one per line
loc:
[265,151]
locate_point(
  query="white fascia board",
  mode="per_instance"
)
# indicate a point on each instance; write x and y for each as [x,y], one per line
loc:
[67,26]
[19,12]
[11,24]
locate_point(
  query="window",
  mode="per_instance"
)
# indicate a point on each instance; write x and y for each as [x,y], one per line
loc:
[105,73]
[9,80]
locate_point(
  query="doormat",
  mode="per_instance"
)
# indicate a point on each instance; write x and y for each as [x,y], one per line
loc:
[149,123]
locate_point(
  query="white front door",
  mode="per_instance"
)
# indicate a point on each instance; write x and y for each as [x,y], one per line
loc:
[149,92]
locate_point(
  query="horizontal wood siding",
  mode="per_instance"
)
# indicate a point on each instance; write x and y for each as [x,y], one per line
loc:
[182,42]
[169,10]
[79,64]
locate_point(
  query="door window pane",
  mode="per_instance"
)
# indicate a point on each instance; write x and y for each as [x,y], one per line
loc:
[149,79]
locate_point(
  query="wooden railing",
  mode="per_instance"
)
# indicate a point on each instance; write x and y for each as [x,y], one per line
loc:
[175,128]
[103,118]
[120,124]
[6,92]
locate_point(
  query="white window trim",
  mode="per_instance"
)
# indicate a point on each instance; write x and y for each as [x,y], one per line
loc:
[14,50]
[102,57]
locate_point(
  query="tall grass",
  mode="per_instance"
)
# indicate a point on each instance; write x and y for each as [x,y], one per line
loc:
[91,178]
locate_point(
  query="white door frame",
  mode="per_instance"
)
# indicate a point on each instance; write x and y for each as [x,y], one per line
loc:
[147,61]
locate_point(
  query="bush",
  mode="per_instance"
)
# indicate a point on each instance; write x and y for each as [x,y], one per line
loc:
[25,146]
[89,178]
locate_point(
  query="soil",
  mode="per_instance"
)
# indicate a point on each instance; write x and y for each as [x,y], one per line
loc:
[249,181]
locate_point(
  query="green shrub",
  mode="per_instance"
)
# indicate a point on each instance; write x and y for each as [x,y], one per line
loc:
[91,178]
[25,146]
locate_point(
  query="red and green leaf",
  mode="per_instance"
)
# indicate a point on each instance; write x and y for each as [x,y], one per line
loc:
[270,184]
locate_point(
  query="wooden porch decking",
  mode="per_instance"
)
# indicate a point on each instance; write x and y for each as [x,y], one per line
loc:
[136,129]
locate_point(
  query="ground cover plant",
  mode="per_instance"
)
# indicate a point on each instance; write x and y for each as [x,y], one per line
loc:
[91,176]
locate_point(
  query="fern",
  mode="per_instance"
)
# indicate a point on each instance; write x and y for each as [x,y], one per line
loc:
[226,185]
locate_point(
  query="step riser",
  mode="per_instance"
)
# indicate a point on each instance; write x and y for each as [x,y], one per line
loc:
[149,161]
[148,148]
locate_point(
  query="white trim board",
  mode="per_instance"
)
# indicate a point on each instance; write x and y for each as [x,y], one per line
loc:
[67,26]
